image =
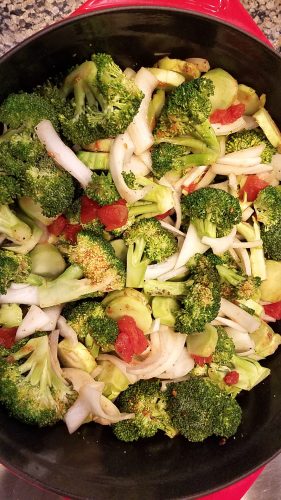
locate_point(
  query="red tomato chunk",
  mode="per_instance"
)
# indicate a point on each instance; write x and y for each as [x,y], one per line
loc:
[131,339]
[252,187]
[229,115]
[7,337]
[231,378]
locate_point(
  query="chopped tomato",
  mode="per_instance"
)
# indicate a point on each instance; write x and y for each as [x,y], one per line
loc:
[229,115]
[58,225]
[189,189]
[70,232]
[164,215]
[131,339]
[202,360]
[273,310]
[252,187]
[114,215]
[89,210]
[231,378]
[7,337]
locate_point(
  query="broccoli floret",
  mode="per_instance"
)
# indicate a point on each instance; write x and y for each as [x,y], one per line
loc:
[247,139]
[97,260]
[105,101]
[225,348]
[271,237]
[186,113]
[212,211]
[102,189]
[14,267]
[30,388]
[268,205]
[49,186]
[235,284]
[148,403]
[147,242]
[24,111]
[22,147]
[89,321]
[9,189]
[199,409]
[200,296]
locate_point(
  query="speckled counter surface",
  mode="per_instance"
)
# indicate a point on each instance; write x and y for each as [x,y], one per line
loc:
[21,18]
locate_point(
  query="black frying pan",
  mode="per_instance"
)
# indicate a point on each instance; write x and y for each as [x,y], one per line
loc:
[92,463]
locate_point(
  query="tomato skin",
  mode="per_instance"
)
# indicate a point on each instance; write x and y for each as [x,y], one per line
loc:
[114,215]
[89,210]
[58,225]
[202,360]
[273,310]
[252,187]
[71,231]
[7,337]
[231,378]
[229,115]
[164,215]
[131,339]
[189,189]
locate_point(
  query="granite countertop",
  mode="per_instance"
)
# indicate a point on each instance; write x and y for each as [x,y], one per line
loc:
[20,18]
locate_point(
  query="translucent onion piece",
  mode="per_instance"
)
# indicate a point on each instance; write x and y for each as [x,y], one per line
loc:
[53,314]
[206,179]
[247,213]
[119,364]
[247,244]
[137,166]
[239,162]
[155,270]
[66,331]
[62,154]
[276,164]
[228,322]
[78,378]
[236,126]
[130,73]
[27,295]
[245,260]
[250,323]
[33,322]
[244,153]
[220,245]
[172,274]
[171,228]
[224,186]
[183,365]
[240,170]
[242,340]
[176,199]
[191,245]
[190,177]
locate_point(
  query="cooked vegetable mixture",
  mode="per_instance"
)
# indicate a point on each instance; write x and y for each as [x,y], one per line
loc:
[140,259]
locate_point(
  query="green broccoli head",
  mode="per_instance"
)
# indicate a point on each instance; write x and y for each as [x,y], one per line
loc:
[213,212]
[49,186]
[9,189]
[30,388]
[105,101]
[166,157]
[14,268]
[148,403]
[102,189]
[271,237]
[235,284]
[199,409]
[250,138]
[225,348]
[97,260]
[24,111]
[268,206]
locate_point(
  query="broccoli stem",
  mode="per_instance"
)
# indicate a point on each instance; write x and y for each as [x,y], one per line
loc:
[164,288]
[229,275]
[13,227]
[136,267]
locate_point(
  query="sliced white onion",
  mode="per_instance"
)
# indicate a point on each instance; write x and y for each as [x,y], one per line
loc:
[18,286]
[206,179]
[232,180]
[139,130]
[228,322]
[224,186]
[53,314]
[145,157]
[62,154]
[244,153]
[220,245]
[247,244]
[176,200]
[119,364]
[245,260]
[130,73]
[117,157]
[155,270]
[250,122]
[250,323]
[33,321]
[239,162]
[234,255]
[172,274]
[240,170]
[66,331]
[137,166]
[236,126]
[247,213]
[183,365]
[191,245]
[190,177]
[156,323]
[171,228]
[242,341]
[78,378]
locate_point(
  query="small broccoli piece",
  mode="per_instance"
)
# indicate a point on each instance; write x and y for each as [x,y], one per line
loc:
[200,296]
[102,189]
[24,111]
[22,146]
[268,205]
[93,327]
[212,211]
[30,388]
[105,101]
[12,226]
[148,403]
[271,237]
[225,348]
[9,189]
[147,242]
[97,260]
[199,409]
[186,113]
[247,139]
[49,186]
[235,284]
[10,314]
[13,268]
